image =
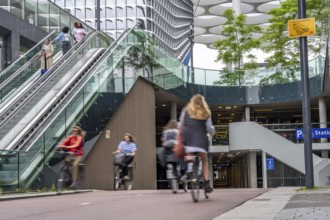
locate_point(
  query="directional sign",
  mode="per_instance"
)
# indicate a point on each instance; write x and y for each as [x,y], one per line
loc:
[301,27]
[316,133]
[270,164]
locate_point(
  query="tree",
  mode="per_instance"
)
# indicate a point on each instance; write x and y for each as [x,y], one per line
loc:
[284,50]
[237,45]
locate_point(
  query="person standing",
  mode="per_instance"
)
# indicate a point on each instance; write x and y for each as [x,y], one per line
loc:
[128,147]
[196,124]
[46,56]
[74,143]
[65,38]
[78,32]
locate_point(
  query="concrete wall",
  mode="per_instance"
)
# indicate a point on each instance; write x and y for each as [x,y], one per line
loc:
[18,28]
[252,136]
[135,115]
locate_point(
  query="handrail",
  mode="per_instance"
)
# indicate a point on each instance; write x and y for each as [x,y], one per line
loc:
[46,77]
[7,69]
[101,59]
[22,68]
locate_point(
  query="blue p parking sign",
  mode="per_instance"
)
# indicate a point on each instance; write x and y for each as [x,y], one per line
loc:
[270,164]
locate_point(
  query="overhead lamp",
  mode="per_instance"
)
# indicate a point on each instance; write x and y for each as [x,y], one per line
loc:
[228,107]
[235,106]
[164,105]
[220,107]
[232,114]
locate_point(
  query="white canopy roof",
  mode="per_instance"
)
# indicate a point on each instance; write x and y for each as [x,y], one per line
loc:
[209,16]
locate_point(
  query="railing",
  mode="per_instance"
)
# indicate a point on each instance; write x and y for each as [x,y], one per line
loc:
[288,130]
[21,62]
[24,71]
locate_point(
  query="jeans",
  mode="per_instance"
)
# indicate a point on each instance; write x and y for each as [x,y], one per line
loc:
[128,160]
[66,46]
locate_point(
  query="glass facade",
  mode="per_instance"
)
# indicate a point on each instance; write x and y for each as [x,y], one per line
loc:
[41,13]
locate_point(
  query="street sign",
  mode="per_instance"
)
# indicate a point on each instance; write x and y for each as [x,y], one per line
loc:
[316,133]
[301,27]
[270,164]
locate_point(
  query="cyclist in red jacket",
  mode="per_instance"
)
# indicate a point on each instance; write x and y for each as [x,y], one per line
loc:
[74,143]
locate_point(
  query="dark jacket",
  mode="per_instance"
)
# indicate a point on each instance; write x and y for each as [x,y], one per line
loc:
[195,131]
[169,140]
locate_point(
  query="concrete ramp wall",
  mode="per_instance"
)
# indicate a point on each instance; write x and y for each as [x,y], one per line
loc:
[251,135]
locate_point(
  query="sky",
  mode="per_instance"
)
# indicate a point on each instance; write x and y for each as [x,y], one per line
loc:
[205,57]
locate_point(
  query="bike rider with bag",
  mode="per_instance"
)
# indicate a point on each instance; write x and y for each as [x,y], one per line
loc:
[128,147]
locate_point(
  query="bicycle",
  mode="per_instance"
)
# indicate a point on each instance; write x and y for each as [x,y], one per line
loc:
[195,176]
[64,179]
[175,179]
[119,179]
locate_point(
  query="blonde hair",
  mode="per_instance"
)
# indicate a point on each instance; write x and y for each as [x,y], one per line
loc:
[198,108]
[81,132]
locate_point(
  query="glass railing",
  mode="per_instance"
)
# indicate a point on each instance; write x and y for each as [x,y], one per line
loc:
[50,89]
[26,73]
[42,14]
[256,77]
[24,60]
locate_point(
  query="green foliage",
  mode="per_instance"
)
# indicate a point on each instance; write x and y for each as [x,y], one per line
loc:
[284,50]
[237,44]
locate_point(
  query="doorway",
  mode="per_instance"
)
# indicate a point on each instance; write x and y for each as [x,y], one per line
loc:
[230,170]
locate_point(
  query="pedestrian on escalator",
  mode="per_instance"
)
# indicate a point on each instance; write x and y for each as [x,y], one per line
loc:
[65,38]
[74,143]
[46,56]
[78,32]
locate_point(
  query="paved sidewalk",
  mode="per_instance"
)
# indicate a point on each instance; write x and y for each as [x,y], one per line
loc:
[285,203]
[311,204]
[264,207]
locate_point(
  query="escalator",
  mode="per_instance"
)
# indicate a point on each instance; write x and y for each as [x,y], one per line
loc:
[23,70]
[31,109]
[42,127]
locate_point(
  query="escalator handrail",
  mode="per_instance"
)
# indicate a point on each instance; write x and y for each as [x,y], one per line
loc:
[52,72]
[24,65]
[105,55]
[22,68]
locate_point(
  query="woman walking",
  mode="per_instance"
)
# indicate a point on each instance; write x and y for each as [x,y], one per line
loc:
[196,124]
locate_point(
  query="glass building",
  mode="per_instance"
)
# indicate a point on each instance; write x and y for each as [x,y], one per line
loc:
[167,21]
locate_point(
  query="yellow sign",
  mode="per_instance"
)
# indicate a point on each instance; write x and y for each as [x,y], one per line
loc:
[301,27]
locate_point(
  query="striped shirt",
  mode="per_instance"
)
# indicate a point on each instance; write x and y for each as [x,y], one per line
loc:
[127,147]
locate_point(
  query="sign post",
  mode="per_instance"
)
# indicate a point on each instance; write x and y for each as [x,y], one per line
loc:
[302,28]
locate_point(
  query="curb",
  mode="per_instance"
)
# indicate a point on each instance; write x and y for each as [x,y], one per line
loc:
[37,195]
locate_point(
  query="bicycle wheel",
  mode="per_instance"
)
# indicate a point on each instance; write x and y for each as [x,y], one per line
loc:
[63,179]
[194,182]
[174,185]
[128,184]
[117,178]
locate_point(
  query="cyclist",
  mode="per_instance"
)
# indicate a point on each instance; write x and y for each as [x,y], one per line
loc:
[74,143]
[196,123]
[128,147]
[169,139]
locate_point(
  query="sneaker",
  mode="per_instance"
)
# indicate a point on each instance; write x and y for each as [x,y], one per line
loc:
[74,184]
[208,189]
[126,177]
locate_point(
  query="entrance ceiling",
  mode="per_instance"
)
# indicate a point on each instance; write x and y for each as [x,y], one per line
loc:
[209,17]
